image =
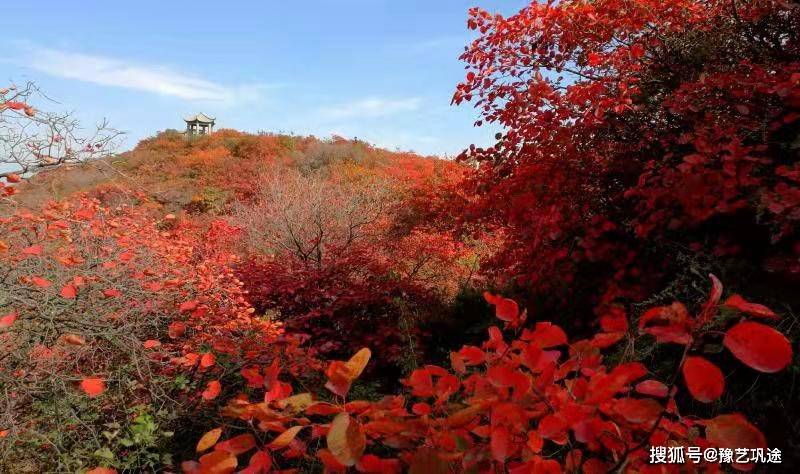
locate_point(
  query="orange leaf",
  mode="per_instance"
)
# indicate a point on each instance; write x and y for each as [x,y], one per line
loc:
[209,439]
[212,390]
[13,178]
[102,470]
[218,462]
[74,339]
[283,440]
[346,439]
[93,386]
[187,306]
[342,374]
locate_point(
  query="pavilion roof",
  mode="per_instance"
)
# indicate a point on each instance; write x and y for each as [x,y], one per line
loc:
[201,117]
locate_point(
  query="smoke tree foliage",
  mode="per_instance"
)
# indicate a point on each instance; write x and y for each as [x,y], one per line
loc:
[634,130]
[636,133]
[526,400]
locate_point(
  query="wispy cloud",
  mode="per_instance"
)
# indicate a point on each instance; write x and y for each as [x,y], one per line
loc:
[371,107]
[151,78]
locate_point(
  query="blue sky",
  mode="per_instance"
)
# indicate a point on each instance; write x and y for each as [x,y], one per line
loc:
[379,70]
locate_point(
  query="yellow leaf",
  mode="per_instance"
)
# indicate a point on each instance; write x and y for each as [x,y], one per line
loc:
[209,439]
[296,403]
[358,362]
[285,438]
[346,439]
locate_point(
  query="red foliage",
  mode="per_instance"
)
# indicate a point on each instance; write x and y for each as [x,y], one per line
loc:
[506,403]
[634,129]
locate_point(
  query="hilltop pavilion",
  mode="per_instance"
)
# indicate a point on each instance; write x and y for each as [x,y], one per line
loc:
[199,124]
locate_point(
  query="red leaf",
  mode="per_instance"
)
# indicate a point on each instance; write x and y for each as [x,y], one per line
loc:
[546,334]
[734,431]
[709,309]
[253,376]
[653,388]
[758,346]
[93,386]
[260,463]
[237,445]
[500,443]
[472,355]
[605,386]
[638,410]
[614,320]
[69,292]
[126,256]
[421,409]
[111,293]
[40,282]
[176,329]
[13,178]
[212,390]
[15,105]
[667,323]
[753,309]
[553,427]
[34,250]
[371,464]
[703,379]
[8,319]
[505,309]
[151,343]
[323,408]
[207,360]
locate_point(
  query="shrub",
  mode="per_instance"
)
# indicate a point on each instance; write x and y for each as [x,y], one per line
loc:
[522,402]
[633,132]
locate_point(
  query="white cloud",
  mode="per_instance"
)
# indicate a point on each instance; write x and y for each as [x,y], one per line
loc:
[156,79]
[371,107]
